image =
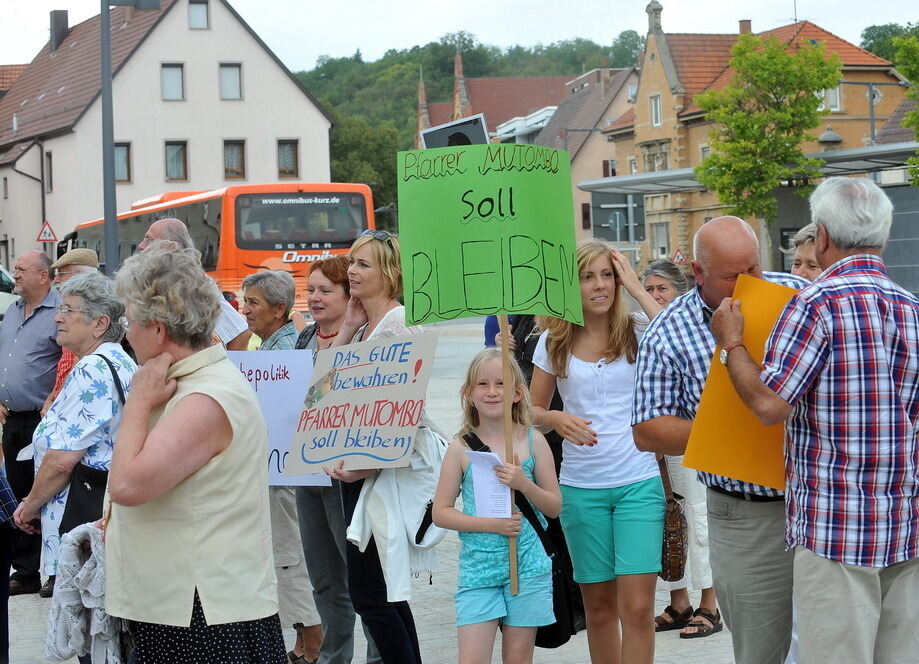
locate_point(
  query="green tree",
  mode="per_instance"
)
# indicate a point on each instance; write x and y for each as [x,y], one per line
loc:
[362,153]
[626,49]
[908,57]
[879,39]
[762,117]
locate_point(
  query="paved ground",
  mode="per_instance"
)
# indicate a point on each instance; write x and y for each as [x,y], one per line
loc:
[432,599]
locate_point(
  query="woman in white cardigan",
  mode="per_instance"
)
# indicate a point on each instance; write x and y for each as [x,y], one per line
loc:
[383,507]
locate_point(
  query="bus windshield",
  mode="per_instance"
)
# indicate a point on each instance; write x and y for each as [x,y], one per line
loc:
[311,220]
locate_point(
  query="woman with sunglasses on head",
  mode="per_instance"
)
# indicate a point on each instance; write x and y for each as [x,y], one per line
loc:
[379,594]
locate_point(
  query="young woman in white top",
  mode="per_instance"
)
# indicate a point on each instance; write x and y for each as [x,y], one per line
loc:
[612,497]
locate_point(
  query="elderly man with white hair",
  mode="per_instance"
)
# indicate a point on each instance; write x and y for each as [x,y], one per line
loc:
[750,568]
[841,369]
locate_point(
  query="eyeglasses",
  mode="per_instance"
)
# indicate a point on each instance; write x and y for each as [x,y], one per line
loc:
[382,236]
[66,310]
[20,270]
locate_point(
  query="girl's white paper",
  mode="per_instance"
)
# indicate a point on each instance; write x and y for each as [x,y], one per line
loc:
[492,498]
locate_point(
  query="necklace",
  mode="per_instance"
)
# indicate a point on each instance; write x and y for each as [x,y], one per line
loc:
[326,336]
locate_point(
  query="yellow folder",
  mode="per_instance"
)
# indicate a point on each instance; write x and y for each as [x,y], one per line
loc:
[727,438]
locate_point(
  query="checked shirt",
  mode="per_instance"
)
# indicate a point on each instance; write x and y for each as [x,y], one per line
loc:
[8,502]
[674,357]
[845,354]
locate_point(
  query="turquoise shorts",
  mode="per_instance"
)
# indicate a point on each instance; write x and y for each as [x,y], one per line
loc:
[530,607]
[616,531]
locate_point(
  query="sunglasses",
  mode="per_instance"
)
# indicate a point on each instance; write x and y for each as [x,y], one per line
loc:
[382,236]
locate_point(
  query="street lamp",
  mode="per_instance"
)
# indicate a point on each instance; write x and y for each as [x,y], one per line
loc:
[108,133]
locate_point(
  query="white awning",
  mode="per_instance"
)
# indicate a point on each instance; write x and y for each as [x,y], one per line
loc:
[838,162]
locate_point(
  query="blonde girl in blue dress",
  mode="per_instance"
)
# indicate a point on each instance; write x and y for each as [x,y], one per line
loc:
[483,599]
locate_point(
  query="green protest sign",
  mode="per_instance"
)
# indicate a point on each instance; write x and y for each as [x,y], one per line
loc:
[487,229]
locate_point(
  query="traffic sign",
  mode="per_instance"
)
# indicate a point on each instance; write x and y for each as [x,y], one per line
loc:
[678,258]
[46,234]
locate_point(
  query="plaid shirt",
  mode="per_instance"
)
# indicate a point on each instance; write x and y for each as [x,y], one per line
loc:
[845,354]
[8,502]
[674,357]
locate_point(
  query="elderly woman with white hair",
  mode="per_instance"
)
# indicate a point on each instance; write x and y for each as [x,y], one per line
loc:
[75,438]
[268,298]
[188,540]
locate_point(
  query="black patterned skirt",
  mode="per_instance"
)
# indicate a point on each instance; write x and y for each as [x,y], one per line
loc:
[249,642]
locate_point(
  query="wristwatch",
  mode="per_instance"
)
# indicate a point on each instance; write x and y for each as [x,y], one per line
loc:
[723,356]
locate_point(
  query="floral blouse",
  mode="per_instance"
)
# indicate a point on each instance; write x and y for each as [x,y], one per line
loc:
[84,416]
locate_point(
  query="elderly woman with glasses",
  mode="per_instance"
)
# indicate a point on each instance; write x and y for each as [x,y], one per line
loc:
[188,541]
[268,298]
[77,434]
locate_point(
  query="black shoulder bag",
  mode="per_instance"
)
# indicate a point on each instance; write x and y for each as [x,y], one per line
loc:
[87,485]
[558,633]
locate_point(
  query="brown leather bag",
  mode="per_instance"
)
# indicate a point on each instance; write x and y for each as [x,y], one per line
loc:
[676,538]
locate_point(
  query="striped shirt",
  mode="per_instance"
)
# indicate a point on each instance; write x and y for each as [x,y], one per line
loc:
[674,357]
[845,354]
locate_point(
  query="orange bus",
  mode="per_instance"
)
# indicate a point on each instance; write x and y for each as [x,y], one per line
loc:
[245,228]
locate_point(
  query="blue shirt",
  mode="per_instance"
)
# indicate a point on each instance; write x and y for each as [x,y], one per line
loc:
[29,354]
[674,357]
[284,338]
[483,560]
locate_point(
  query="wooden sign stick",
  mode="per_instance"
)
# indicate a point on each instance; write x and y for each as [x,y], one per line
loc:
[508,434]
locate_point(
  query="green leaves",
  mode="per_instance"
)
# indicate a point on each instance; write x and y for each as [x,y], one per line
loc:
[764,115]
[385,91]
[908,59]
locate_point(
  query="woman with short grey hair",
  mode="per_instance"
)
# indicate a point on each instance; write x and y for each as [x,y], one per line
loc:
[189,528]
[73,443]
[664,281]
[276,286]
[170,288]
[98,294]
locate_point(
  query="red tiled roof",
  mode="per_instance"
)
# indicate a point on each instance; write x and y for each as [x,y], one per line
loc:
[627,119]
[699,59]
[440,112]
[501,99]
[851,55]
[56,88]
[9,74]
[583,109]
[793,34]
[893,130]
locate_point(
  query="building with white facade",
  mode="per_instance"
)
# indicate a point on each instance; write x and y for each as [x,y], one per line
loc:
[200,102]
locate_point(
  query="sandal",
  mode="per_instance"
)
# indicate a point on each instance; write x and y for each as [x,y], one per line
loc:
[299,659]
[704,629]
[678,620]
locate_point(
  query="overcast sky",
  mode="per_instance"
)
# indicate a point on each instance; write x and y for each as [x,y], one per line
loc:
[299,31]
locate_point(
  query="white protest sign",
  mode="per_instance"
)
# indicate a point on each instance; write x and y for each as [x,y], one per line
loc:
[280,378]
[364,405]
